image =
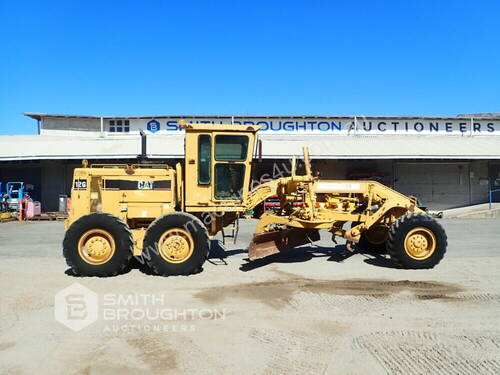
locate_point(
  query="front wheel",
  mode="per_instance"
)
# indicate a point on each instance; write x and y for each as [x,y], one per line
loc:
[416,241]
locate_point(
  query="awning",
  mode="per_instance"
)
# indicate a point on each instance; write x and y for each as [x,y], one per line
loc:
[32,147]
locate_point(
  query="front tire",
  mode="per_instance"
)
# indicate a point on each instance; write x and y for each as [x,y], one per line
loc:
[176,244]
[416,241]
[98,244]
[373,240]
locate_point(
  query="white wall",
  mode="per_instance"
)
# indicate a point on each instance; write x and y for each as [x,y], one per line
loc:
[333,125]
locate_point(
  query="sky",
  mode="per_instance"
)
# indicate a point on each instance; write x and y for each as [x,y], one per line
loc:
[311,57]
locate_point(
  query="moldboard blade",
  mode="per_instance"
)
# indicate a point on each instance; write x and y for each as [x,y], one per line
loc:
[268,243]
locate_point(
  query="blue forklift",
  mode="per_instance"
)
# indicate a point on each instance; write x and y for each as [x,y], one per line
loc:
[14,194]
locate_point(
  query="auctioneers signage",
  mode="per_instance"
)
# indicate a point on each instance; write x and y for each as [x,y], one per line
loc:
[333,125]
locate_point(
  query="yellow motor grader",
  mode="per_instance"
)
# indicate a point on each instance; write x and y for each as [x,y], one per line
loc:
[165,215]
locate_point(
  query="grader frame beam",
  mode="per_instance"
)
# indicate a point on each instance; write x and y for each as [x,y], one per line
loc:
[392,205]
[382,204]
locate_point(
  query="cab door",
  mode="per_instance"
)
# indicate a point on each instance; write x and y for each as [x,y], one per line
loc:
[230,163]
[198,170]
[217,167]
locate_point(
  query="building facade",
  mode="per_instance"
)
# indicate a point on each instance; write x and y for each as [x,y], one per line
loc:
[444,161]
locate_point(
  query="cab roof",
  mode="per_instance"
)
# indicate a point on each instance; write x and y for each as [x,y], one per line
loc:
[220,127]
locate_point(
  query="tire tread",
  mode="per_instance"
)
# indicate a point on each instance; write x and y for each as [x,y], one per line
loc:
[73,231]
[158,222]
[392,246]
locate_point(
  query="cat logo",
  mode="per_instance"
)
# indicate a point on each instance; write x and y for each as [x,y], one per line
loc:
[145,185]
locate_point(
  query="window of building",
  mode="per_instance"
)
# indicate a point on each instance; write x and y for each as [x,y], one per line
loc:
[119,126]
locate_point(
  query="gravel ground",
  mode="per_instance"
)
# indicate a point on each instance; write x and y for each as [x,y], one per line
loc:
[317,309]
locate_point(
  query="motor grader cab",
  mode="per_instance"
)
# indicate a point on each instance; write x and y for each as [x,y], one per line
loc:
[217,167]
[165,216]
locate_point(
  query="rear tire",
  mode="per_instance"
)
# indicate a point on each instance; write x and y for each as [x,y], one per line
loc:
[98,244]
[176,244]
[416,241]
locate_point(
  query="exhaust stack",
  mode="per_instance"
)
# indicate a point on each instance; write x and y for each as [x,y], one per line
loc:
[143,156]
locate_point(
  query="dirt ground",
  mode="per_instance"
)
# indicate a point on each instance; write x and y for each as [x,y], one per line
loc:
[318,309]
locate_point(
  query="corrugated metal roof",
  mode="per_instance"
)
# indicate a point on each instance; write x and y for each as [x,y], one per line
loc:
[39,116]
[481,115]
[274,147]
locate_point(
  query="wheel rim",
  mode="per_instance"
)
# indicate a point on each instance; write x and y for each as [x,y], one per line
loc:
[176,245]
[96,246]
[420,243]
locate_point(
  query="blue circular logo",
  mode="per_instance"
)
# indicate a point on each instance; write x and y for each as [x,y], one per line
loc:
[153,126]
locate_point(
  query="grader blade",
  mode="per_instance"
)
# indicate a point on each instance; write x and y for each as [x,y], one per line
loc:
[268,243]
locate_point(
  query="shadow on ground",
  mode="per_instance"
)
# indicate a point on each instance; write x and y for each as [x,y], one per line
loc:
[218,254]
[338,254]
[218,251]
[130,267]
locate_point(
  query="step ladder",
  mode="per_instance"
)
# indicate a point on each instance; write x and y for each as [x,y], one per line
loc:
[232,234]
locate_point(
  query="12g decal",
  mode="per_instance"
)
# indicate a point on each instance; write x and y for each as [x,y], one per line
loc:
[80,184]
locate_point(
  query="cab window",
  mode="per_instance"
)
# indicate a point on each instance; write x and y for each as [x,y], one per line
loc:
[204,159]
[229,179]
[231,147]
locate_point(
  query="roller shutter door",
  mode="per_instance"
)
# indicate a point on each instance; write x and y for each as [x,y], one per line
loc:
[437,185]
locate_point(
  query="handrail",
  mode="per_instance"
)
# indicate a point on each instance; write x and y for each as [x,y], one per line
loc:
[490,193]
[260,194]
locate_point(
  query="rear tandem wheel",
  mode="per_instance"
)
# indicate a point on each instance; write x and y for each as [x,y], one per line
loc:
[176,244]
[98,244]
